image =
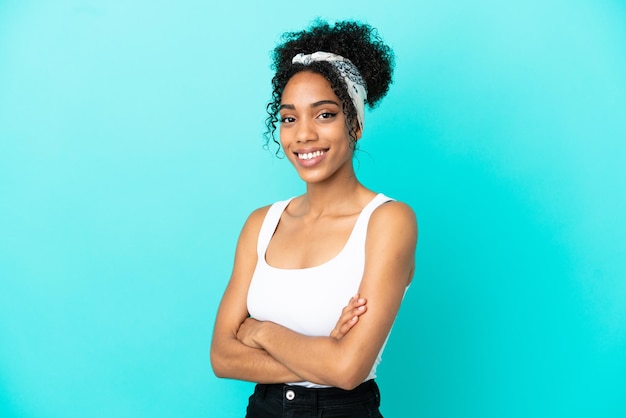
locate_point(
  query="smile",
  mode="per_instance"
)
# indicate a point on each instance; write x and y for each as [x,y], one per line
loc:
[310,155]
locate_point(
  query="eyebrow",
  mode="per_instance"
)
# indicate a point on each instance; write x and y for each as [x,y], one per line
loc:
[315,104]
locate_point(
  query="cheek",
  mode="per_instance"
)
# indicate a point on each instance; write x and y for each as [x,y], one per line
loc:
[283,137]
[338,133]
[285,143]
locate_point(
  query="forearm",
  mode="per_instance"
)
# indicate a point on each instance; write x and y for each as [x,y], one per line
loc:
[321,360]
[232,359]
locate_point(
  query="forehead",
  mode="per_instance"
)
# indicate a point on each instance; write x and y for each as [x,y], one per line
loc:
[308,86]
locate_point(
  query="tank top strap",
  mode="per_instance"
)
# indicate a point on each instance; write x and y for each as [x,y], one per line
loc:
[272,217]
[378,200]
[359,232]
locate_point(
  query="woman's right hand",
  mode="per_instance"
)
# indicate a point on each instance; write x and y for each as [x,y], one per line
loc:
[349,317]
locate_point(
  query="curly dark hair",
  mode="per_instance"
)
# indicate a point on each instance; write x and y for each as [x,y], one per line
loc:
[358,42]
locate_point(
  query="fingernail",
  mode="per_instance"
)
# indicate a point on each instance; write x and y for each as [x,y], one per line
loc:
[355,318]
[361,300]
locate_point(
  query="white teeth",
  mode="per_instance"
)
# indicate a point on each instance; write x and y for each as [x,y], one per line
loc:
[309,155]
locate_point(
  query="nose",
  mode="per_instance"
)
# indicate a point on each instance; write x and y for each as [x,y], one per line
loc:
[305,131]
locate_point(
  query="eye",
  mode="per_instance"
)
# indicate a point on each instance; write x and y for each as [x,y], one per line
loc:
[327,115]
[287,119]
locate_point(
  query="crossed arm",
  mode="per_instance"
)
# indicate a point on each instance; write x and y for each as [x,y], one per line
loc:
[264,352]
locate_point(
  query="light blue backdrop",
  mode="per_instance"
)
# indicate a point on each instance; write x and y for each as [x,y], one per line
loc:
[130,155]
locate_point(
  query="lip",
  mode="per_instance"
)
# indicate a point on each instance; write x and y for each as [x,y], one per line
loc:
[312,161]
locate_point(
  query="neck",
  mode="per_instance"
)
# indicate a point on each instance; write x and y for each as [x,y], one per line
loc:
[338,195]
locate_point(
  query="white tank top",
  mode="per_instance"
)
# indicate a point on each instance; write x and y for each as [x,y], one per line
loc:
[309,301]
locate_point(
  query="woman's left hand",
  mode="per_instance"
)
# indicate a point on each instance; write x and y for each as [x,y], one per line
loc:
[349,317]
[246,332]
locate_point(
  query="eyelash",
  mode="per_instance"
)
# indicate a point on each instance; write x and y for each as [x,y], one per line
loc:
[323,115]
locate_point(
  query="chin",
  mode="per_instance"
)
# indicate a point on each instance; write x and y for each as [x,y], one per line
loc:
[312,177]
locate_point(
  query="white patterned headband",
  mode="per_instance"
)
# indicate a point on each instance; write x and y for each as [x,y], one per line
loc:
[348,71]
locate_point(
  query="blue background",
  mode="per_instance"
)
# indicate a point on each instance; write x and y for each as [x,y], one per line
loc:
[131,154]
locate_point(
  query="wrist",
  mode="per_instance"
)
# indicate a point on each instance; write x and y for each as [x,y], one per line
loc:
[260,334]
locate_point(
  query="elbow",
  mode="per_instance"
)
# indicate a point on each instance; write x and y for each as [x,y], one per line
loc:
[349,383]
[350,375]
[218,364]
[218,372]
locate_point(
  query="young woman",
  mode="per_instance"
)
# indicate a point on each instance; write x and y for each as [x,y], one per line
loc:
[318,279]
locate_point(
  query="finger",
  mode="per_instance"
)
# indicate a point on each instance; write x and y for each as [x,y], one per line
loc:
[347,326]
[359,310]
[351,304]
[349,319]
[349,314]
[343,329]
[355,302]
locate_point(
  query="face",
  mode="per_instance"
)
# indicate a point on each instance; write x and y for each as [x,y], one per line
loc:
[313,129]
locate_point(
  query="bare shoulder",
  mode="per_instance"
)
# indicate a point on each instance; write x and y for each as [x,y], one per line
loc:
[394,215]
[393,225]
[258,215]
[246,253]
[392,238]
[253,224]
